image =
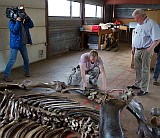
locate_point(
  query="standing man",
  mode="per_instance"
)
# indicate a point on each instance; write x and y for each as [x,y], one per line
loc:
[146,38]
[91,64]
[19,37]
[157,65]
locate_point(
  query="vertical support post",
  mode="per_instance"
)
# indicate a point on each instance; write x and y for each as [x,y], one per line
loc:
[104,12]
[83,12]
[47,30]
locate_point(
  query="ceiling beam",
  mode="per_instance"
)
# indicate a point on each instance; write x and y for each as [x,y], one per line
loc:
[108,2]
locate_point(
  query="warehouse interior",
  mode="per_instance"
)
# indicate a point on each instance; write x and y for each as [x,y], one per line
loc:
[58,43]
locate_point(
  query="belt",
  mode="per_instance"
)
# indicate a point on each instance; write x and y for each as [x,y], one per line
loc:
[141,48]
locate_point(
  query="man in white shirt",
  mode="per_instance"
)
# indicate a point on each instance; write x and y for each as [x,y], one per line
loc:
[146,38]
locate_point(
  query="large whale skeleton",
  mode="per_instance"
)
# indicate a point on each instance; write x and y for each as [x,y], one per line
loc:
[107,121]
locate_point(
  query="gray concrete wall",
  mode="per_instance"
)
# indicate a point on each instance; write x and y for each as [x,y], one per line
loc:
[36,10]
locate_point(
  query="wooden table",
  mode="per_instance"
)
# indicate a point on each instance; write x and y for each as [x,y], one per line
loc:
[125,28]
[99,33]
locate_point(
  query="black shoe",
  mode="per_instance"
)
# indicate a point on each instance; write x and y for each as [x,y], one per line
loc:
[155,82]
[27,75]
[141,93]
[7,79]
[133,87]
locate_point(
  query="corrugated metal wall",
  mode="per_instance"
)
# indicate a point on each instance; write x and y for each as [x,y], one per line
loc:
[126,10]
[63,34]
[92,21]
[36,10]
[64,31]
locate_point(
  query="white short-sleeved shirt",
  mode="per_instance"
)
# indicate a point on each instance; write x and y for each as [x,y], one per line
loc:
[146,33]
[84,60]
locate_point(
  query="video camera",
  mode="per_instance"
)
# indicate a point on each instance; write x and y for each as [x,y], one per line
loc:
[15,12]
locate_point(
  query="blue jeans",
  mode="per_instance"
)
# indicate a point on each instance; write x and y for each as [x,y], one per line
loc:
[157,67]
[13,57]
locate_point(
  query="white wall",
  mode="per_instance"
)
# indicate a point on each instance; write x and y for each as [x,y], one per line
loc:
[36,10]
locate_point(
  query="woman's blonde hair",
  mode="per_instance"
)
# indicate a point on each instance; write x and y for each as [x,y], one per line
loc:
[93,53]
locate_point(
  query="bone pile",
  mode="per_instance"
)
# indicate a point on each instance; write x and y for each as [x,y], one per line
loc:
[97,95]
[45,116]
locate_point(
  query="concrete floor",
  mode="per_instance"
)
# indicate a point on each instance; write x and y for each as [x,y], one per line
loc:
[118,72]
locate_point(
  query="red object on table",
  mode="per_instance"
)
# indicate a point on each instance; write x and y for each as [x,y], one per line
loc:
[96,28]
[117,22]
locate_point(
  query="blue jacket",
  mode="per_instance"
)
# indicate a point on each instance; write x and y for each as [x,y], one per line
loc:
[16,32]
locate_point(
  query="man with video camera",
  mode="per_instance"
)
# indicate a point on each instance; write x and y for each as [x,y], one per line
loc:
[19,37]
